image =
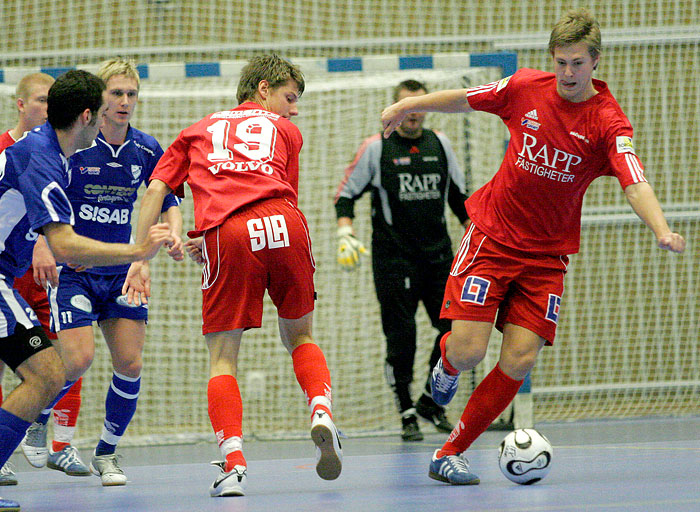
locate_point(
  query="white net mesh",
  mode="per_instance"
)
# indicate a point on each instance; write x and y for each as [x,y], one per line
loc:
[627,342]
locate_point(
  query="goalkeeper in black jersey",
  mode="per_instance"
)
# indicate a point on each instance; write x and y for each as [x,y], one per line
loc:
[411,175]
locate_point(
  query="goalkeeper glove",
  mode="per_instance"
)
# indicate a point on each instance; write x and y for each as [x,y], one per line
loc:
[349,248]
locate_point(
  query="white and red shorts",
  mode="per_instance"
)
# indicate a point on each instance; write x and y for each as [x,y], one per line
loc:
[37,298]
[491,281]
[264,246]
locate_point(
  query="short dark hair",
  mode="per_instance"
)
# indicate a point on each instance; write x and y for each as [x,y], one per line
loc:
[72,93]
[276,70]
[409,85]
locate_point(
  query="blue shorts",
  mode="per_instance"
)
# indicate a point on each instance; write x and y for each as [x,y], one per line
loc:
[14,310]
[82,298]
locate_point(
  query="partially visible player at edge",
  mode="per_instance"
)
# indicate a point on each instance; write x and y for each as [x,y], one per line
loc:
[566,130]
[242,166]
[121,159]
[33,175]
[31,101]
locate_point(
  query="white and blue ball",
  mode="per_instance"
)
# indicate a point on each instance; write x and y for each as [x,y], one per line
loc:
[525,456]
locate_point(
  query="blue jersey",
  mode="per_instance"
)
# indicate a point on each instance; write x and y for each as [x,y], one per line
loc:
[34,174]
[104,188]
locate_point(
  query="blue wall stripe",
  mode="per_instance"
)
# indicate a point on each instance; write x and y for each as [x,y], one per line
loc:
[143,71]
[55,72]
[416,62]
[349,64]
[199,69]
[507,61]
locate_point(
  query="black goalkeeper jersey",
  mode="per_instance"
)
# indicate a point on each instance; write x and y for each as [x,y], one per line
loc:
[410,180]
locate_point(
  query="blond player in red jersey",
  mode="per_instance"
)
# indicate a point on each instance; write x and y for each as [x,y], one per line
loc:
[566,130]
[242,166]
[31,101]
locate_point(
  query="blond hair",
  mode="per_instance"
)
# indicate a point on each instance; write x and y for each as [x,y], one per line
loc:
[119,66]
[574,27]
[28,81]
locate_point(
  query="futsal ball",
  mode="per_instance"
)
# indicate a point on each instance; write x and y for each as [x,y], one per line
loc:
[525,456]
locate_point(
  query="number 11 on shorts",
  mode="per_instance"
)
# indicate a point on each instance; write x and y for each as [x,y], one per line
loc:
[268,232]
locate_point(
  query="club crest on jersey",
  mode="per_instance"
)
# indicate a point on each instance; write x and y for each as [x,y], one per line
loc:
[475,290]
[136,171]
[553,308]
[624,144]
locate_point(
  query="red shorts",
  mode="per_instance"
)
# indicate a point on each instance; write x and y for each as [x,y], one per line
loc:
[488,278]
[36,297]
[264,246]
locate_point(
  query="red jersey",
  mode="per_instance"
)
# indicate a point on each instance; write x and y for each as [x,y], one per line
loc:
[231,159]
[6,141]
[557,148]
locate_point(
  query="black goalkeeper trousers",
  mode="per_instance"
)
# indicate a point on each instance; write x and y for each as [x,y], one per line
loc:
[400,285]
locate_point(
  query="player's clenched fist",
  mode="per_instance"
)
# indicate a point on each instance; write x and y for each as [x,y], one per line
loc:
[158,234]
[349,248]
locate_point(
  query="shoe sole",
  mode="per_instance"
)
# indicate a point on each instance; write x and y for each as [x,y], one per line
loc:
[236,491]
[412,438]
[440,478]
[329,465]
[51,465]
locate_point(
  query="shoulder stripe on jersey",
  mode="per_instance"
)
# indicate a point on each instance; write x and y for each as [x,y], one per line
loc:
[350,168]
[49,205]
[635,168]
[481,89]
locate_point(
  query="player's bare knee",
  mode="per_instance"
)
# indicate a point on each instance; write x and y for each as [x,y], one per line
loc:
[465,356]
[77,363]
[129,368]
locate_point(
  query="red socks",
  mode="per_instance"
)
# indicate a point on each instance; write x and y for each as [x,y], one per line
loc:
[451,370]
[226,416]
[489,399]
[65,416]
[313,376]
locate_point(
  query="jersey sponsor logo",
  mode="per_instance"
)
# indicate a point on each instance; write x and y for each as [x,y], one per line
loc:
[475,290]
[579,136]
[551,163]
[532,114]
[414,150]
[419,187]
[144,148]
[89,170]
[503,82]
[82,303]
[237,114]
[404,160]
[114,164]
[242,167]
[624,144]
[529,123]
[430,159]
[104,215]
[136,171]
[93,189]
[553,308]
[270,232]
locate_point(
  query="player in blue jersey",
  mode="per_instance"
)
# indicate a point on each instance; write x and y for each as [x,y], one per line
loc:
[102,192]
[34,174]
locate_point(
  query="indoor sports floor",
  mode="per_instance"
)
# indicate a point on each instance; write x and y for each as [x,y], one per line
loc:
[624,465]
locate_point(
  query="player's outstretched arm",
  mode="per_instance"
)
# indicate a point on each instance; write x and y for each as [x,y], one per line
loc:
[449,101]
[645,204]
[77,250]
